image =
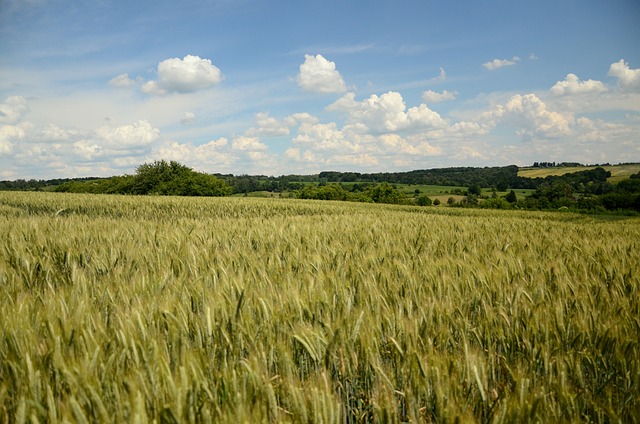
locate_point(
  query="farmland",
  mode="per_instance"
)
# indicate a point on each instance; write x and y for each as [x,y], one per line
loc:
[133,309]
[618,172]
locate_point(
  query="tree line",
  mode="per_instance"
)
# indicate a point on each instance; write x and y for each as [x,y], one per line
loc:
[587,190]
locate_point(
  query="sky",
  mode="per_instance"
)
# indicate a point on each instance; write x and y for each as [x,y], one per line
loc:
[97,88]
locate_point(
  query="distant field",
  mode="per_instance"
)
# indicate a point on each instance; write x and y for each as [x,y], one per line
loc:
[618,172]
[267,310]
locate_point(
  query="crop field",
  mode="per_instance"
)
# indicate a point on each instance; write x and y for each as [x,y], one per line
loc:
[166,309]
[618,172]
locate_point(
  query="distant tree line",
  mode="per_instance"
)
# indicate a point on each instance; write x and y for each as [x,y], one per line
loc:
[587,190]
[568,164]
[370,193]
[38,185]
[502,177]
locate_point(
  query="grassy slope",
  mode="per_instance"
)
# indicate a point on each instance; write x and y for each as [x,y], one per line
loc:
[269,310]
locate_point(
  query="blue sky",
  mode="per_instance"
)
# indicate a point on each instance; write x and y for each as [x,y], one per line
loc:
[96,88]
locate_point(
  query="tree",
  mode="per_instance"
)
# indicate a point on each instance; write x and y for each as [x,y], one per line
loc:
[424,201]
[150,176]
[475,189]
[384,193]
[496,203]
[174,179]
[511,197]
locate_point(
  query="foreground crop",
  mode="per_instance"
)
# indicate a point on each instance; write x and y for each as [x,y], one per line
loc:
[226,310]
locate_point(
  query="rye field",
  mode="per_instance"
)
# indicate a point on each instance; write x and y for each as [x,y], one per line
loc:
[226,310]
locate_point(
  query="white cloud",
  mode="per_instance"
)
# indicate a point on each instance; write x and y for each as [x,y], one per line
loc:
[386,113]
[300,118]
[188,118]
[500,63]
[152,87]
[54,133]
[88,149]
[139,134]
[13,109]
[628,79]
[213,156]
[248,144]
[183,76]
[122,81]
[529,114]
[573,85]
[431,96]
[8,135]
[267,126]
[323,137]
[319,75]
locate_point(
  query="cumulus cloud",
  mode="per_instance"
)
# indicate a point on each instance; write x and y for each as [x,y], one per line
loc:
[500,63]
[212,156]
[300,118]
[186,75]
[13,109]
[267,126]
[573,85]
[628,79]
[122,81]
[431,96]
[319,75]
[188,118]
[325,144]
[322,137]
[9,134]
[387,113]
[138,134]
[529,114]
[248,144]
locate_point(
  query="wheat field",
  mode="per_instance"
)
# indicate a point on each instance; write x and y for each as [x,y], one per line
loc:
[162,309]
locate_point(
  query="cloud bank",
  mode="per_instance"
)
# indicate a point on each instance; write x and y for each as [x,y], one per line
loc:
[381,131]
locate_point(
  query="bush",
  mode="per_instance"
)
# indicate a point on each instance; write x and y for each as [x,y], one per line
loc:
[496,203]
[424,201]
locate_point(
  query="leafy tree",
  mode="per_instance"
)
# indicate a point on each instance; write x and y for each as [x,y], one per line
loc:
[384,193]
[475,189]
[511,197]
[436,202]
[472,199]
[331,191]
[496,203]
[150,177]
[424,201]
[194,184]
